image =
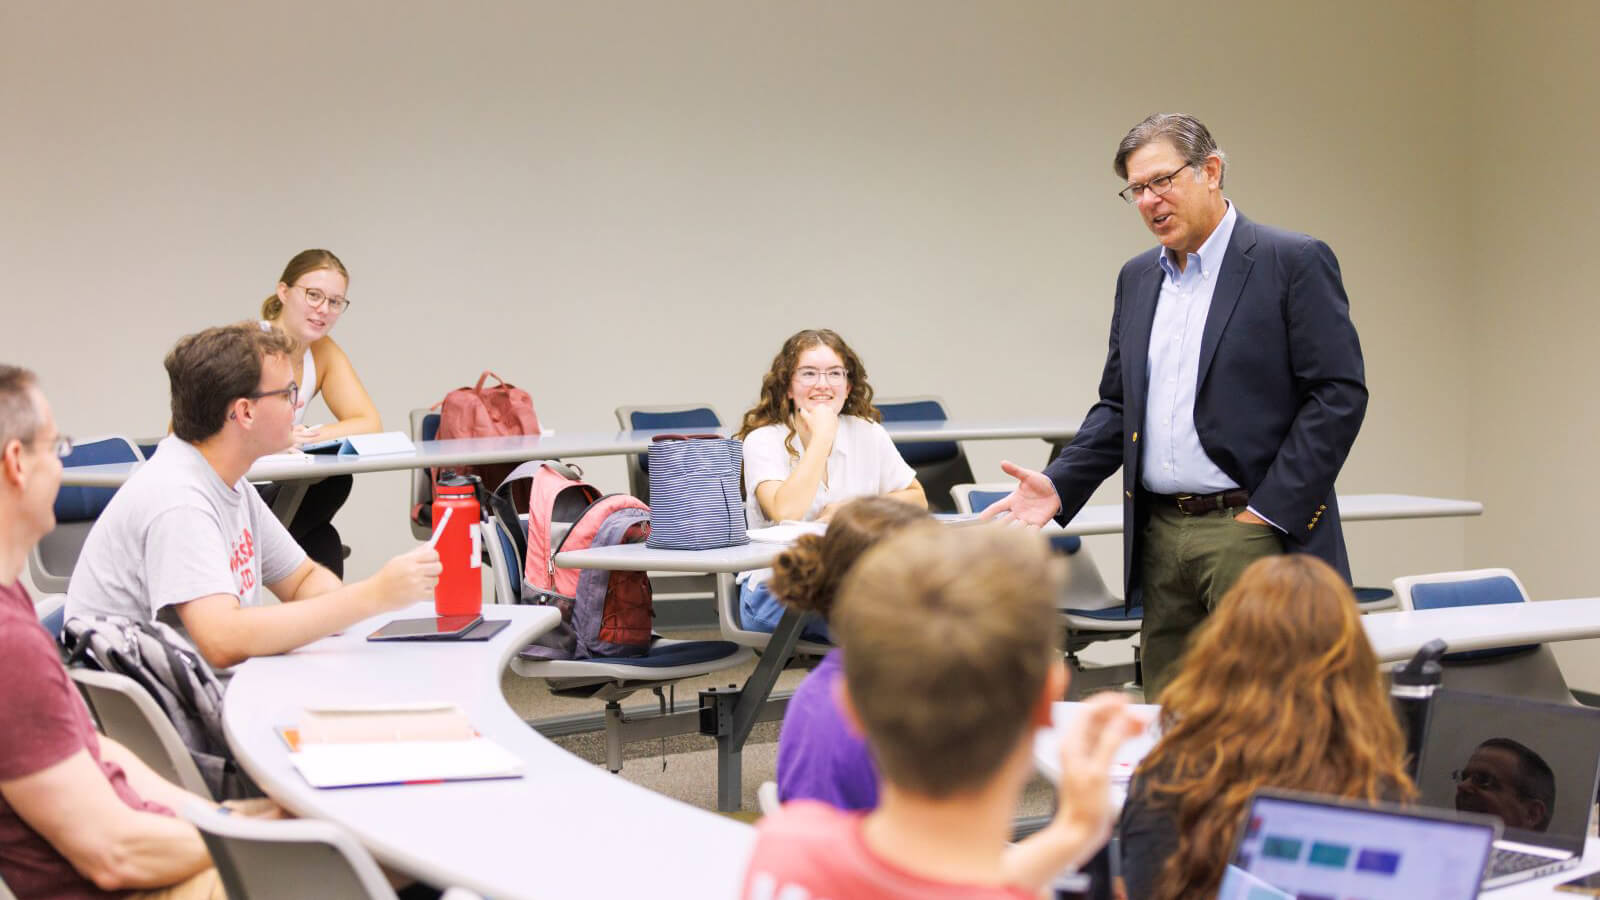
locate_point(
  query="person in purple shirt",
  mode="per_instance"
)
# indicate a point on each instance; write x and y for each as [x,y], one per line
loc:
[820,757]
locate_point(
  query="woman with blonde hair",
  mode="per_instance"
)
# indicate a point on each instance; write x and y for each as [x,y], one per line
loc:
[1279,688]
[309,301]
[812,442]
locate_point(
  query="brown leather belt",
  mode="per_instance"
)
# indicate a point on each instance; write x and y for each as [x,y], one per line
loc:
[1197,504]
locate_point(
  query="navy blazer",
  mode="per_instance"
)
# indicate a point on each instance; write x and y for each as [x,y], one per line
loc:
[1278,404]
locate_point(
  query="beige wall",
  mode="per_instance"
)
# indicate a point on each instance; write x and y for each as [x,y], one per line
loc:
[1534,127]
[635,202]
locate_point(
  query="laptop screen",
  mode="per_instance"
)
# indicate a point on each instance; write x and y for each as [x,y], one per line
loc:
[1532,764]
[1311,847]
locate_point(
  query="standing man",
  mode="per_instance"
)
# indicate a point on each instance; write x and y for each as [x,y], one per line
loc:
[1232,393]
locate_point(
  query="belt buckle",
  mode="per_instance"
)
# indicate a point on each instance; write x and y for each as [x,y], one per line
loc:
[1183,503]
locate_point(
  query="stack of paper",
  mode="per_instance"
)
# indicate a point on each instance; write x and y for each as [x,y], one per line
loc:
[786,532]
[394,744]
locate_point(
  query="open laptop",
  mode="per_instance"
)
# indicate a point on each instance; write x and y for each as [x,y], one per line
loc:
[1533,765]
[1307,846]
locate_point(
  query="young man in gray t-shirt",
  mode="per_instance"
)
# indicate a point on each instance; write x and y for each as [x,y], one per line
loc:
[187,531]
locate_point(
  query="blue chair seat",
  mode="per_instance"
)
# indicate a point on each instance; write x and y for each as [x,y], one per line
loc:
[1110,614]
[666,656]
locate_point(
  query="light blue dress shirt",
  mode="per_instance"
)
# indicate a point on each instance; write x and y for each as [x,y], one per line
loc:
[1173,460]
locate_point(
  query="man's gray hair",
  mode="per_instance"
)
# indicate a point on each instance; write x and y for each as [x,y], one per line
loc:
[1188,135]
[19,415]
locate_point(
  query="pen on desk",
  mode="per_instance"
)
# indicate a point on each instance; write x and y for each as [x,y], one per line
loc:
[439,529]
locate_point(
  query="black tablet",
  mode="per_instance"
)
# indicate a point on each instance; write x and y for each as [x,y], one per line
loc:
[435,628]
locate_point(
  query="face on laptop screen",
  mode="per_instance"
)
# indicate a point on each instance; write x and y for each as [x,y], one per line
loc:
[1310,849]
[1531,764]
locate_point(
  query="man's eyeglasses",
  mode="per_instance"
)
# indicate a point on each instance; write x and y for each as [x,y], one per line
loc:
[1157,186]
[292,392]
[317,300]
[810,376]
[62,446]
[1483,781]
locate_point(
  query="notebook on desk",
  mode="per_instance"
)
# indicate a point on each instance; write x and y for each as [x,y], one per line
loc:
[386,744]
[1311,847]
[1533,765]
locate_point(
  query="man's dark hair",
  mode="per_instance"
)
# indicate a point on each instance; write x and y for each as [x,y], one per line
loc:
[19,416]
[211,369]
[1188,135]
[1535,779]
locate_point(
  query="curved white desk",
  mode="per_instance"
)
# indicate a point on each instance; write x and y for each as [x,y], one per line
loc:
[1397,635]
[565,829]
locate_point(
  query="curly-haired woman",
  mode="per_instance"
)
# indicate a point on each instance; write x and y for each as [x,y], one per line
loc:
[812,442]
[1279,688]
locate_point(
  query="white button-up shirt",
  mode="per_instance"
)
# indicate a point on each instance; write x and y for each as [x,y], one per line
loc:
[1173,460]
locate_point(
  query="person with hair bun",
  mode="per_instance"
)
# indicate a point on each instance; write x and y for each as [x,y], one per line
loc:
[819,757]
[1279,688]
[812,442]
[309,301]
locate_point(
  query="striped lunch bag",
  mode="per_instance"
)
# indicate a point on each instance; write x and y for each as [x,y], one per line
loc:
[695,500]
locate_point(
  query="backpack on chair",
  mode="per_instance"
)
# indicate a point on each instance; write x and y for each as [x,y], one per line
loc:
[603,613]
[176,677]
[502,410]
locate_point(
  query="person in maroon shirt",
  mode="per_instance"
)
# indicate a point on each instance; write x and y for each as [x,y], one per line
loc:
[80,815]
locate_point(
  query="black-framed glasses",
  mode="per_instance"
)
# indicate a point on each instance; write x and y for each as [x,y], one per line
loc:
[1483,781]
[292,392]
[1158,186]
[316,299]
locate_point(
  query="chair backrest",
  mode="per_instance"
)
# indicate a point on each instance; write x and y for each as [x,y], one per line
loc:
[129,715]
[51,561]
[684,417]
[287,859]
[767,797]
[1472,587]
[505,574]
[940,465]
[424,427]
[1086,588]
[52,612]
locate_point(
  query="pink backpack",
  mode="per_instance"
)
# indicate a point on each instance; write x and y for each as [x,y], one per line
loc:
[500,411]
[603,613]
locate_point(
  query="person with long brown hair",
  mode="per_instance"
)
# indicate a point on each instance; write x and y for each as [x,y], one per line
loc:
[811,442]
[309,300]
[1279,688]
[819,756]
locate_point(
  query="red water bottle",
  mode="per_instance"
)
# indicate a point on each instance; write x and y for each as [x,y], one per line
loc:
[460,588]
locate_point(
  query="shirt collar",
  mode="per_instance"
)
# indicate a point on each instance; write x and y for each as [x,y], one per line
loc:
[1209,258]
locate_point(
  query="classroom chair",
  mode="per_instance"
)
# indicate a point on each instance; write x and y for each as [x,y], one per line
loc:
[51,561]
[611,680]
[940,465]
[767,798]
[693,418]
[290,859]
[1091,612]
[424,427]
[129,715]
[52,612]
[689,418]
[1529,670]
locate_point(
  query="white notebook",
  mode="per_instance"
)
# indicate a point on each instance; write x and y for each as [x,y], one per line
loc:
[404,762]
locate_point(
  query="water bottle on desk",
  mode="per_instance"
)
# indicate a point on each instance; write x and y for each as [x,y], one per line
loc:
[458,537]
